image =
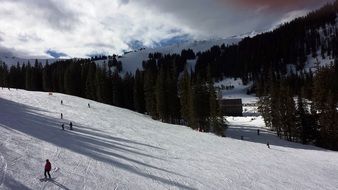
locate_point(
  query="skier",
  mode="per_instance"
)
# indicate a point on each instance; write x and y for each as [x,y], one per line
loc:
[61,116]
[88,105]
[63,126]
[48,167]
[258,132]
[71,126]
[268,144]
[61,102]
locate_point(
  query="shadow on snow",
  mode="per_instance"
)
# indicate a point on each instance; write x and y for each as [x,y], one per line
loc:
[82,140]
[249,133]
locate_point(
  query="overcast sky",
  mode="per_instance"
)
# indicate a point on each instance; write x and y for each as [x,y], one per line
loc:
[79,28]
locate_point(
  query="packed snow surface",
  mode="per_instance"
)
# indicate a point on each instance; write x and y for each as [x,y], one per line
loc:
[113,148]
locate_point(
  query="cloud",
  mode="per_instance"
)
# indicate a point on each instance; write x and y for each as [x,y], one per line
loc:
[86,27]
[123,2]
[54,13]
[56,54]
[222,18]
[174,40]
[290,16]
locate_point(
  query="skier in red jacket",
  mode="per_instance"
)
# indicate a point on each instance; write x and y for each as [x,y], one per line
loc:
[48,167]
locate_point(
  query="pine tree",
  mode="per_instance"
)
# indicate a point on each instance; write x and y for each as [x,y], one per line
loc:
[149,92]
[91,82]
[161,95]
[264,107]
[290,118]
[100,84]
[139,92]
[28,77]
[185,94]
[128,92]
[201,104]
[216,120]
[328,124]
[117,89]
[173,100]
[46,78]
[72,79]
[278,107]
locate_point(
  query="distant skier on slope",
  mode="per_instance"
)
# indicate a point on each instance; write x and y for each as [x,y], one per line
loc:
[61,102]
[61,116]
[71,126]
[63,126]
[48,167]
[88,105]
[268,144]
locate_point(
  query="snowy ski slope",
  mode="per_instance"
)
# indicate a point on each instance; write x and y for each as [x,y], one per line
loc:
[112,148]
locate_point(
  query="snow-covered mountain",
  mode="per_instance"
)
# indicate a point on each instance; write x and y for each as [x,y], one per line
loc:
[114,148]
[133,60]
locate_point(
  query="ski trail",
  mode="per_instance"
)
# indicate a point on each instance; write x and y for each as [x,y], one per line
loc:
[93,174]
[3,169]
[86,174]
[117,185]
[56,169]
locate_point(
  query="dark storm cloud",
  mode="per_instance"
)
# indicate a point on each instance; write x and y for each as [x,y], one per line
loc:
[6,52]
[10,52]
[222,18]
[276,4]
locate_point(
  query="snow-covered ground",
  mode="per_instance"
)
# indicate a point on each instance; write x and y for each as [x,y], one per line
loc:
[239,90]
[113,148]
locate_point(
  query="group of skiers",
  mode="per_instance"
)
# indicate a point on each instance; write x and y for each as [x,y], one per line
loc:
[70,123]
[63,125]
[258,133]
[48,165]
[70,126]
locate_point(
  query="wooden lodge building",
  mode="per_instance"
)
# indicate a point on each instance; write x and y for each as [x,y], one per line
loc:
[231,107]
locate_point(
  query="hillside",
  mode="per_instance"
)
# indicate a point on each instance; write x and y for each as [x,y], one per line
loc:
[131,61]
[114,148]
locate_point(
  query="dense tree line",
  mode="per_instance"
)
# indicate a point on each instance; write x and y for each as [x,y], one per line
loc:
[299,119]
[155,90]
[78,77]
[314,35]
[175,94]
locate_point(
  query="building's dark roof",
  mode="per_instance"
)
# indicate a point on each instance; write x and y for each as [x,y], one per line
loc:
[231,102]
[232,107]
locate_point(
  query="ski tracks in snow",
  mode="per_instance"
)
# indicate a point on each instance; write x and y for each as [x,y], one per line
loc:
[3,169]
[86,172]
[56,169]
[3,164]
